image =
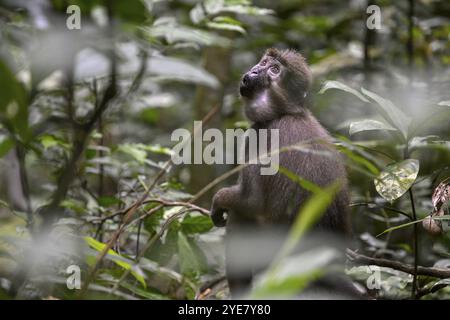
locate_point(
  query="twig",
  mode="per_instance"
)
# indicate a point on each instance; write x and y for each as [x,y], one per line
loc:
[415,244]
[372,205]
[424,291]
[179,203]
[424,271]
[131,210]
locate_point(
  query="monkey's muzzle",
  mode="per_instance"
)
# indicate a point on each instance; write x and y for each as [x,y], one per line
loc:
[250,83]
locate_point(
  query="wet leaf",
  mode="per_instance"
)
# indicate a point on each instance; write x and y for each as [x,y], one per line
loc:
[396,179]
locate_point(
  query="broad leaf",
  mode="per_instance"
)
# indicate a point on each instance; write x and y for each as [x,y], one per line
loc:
[294,274]
[396,179]
[13,102]
[368,125]
[390,112]
[118,259]
[189,260]
[196,223]
[309,214]
[6,144]
[173,32]
[340,86]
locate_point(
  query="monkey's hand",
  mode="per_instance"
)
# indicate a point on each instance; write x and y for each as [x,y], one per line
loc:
[220,206]
[218,216]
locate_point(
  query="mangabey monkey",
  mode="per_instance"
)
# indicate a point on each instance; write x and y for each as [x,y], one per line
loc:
[275,92]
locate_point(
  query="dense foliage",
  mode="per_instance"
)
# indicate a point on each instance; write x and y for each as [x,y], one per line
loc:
[86,118]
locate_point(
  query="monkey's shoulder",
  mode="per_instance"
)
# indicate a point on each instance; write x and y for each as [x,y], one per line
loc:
[296,128]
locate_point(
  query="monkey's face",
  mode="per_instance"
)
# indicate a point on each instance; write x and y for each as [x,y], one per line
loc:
[260,77]
[275,86]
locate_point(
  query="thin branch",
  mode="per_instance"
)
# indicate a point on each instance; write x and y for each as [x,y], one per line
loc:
[372,205]
[424,271]
[132,209]
[424,291]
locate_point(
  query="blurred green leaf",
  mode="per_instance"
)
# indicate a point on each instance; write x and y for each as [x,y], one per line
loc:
[210,8]
[107,201]
[390,112]
[226,23]
[147,294]
[444,103]
[428,142]
[294,274]
[305,184]
[6,144]
[135,150]
[340,86]
[368,125]
[13,103]
[169,29]
[189,262]
[196,223]
[117,259]
[154,220]
[48,141]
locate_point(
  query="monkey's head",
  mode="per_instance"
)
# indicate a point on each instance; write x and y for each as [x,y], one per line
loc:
[277,85]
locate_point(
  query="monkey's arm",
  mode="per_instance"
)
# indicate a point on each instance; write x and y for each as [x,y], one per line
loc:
[224,200]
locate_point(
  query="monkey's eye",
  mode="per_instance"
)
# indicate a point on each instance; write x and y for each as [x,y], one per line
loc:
[275,69]
[263,63]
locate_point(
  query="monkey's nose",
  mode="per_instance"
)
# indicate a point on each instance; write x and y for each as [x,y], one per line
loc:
[246,79]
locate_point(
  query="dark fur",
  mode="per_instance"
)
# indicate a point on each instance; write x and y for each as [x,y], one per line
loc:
[259,201]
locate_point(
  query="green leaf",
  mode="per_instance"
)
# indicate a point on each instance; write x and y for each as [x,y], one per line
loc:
[368,125]
[196,223]
[390,112]
[396,179]
[13,102]
[309,214]
[446,217]
[359,159]
[176,69]
[209,8]
[6,144]
[154,220]
[401,226]
[48,141]
[189,263]
[340,86]
[226,23]
[431,141]
[106,201]
[117,259]
[169,29]
[305,184]
[134,150]
[294,274]
[143,293]
[444,103]
[242,125]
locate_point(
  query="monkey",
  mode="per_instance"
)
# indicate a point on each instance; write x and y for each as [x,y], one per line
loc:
[276,95]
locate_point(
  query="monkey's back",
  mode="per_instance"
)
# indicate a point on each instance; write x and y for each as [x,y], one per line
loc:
[313,159]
